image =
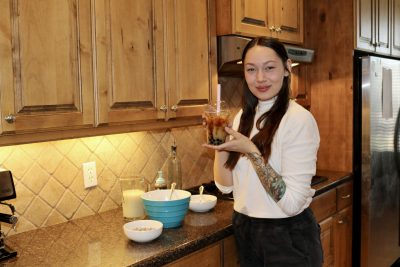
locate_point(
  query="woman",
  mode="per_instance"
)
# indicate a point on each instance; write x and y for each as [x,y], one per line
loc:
[268,163]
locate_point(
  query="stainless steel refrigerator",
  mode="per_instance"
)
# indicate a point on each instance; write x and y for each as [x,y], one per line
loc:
[376,162]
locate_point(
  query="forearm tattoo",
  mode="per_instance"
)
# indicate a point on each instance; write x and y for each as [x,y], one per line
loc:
[271,181]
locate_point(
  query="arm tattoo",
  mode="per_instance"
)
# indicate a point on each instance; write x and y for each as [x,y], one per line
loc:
[271,181]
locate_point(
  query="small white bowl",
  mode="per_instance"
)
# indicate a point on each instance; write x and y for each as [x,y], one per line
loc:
[143,230]
[202,203]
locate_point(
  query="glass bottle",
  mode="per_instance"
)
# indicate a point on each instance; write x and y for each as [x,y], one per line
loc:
[174,168]
[160,181]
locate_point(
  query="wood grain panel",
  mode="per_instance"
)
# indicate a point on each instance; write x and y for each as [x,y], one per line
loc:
[330,77]
[46,48]
[396,29]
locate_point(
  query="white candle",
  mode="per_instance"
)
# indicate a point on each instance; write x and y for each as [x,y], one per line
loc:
[219,98]
[132,205]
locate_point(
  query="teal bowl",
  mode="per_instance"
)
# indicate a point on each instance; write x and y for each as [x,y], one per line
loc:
[170,212]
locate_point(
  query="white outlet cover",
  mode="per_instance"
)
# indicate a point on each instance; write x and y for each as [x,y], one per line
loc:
[89,174]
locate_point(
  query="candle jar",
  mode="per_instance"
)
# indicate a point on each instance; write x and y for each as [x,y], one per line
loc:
[133,187]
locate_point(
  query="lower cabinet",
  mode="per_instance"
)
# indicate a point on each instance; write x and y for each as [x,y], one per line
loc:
[222,253]
[333,210]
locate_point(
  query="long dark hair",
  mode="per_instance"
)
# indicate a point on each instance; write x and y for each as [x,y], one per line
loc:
[273,117]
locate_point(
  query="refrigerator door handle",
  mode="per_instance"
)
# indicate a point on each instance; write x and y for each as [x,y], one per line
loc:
[396,156]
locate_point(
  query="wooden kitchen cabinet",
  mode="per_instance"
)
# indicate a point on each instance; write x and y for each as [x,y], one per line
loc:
[159,69]
[333,211]
[282,19]
[92,67]
[46,65]
[220,254]
[396,29]
[374,27]
[209,256]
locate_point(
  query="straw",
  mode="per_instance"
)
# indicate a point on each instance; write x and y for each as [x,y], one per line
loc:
[219,98]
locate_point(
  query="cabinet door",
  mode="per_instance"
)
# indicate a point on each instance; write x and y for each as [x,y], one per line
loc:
[251,17]
[288,20]
[230,255]
[396,29]
[188,68]
[129,55]
[343,232]
[365,24]
[209,256]
[383,26]
[46,65]
[327,239]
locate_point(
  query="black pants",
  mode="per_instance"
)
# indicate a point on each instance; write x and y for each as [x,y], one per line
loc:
[293,241]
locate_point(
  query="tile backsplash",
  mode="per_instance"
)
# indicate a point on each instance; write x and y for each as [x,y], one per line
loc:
[49,181]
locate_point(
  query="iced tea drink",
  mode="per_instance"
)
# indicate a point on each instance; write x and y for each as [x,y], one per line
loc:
[216,121]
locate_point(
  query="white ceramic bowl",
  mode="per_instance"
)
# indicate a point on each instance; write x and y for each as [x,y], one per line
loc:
[202,203]
[143,230]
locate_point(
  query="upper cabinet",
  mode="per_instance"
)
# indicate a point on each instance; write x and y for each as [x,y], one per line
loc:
[282,19]
[46,65]
[377,22]
[396,29]
[76,65]
[158,69]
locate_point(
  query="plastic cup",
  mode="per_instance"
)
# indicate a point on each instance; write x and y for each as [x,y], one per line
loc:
[216,118]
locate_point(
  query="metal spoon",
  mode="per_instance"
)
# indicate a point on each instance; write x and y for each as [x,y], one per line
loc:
[172,190]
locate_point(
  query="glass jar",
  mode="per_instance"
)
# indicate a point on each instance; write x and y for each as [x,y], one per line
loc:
[133,187]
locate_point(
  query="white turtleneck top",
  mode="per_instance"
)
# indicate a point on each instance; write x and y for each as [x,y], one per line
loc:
[293,156]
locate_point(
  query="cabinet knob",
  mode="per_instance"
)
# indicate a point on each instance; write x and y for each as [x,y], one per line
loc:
[278,29]
[164,108]
[346,196]
[272,28]
[10,118]
[174,108]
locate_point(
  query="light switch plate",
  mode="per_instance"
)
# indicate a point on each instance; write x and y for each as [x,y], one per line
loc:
[89,174]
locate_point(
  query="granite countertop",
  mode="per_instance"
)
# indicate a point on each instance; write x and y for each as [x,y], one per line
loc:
[99,240]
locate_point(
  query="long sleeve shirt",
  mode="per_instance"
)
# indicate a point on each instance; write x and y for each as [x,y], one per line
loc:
[293,156]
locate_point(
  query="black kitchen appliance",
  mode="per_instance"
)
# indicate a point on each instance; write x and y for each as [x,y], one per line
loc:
[7,191]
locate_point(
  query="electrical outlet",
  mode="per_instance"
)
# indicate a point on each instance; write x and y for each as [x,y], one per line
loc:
[89,174]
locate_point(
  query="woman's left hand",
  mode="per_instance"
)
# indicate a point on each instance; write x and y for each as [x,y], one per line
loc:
[239,143]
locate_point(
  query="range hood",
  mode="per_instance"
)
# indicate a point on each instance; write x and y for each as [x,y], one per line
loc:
[230,48]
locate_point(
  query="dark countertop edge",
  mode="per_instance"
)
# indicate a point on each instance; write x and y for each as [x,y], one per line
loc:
[342,180]
[185,249]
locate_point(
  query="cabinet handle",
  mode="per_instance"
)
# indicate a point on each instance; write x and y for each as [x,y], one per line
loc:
[341,222]
[10,118]
[346,196]
[278,29]
[174,108]
[164,108]
[272,28]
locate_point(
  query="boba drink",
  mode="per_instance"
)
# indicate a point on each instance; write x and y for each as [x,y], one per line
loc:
[216,121]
